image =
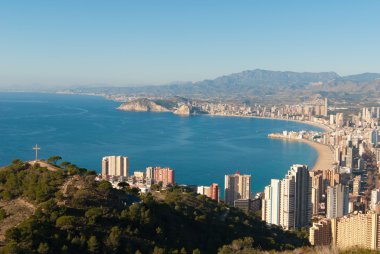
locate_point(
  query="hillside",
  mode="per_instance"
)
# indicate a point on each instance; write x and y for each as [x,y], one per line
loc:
[262,86]
[73,213]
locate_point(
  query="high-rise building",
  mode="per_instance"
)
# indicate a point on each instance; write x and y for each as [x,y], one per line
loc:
[296,206]
[163,175]
[356,185]
[375,198]
[317,190]
[339,120]
[236,186]
[115,166]
[356,230]
[326,108]
[338,155]
[204,190]
[149,172]
[271,202]
[214,191]
[352,231]
[288,202]
[332,119]
[350,156]
[337,201]
[209,191]
[374,137]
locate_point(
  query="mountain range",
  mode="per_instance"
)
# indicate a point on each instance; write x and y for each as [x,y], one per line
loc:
[262,86]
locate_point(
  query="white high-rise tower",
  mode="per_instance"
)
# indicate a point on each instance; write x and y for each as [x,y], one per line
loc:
[115,166]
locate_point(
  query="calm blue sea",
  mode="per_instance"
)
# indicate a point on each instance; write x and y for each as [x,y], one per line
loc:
[201,149]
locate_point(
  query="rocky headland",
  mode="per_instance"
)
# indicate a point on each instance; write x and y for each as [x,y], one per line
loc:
[142,105]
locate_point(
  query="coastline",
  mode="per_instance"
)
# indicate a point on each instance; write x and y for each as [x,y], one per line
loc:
[325,158]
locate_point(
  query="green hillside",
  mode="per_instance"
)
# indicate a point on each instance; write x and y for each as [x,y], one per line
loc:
[67,211]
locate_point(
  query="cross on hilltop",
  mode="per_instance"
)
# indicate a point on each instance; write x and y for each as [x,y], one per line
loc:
[36,148]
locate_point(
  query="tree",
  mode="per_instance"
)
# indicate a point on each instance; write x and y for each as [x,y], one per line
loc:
[93,245]
[43,248]
[105,187]
[3,214]
[113,240]
[65,164]
[93,214]
[158,250]
[155,187]
[54,159]
[11,247]
[123,185]
[65,222]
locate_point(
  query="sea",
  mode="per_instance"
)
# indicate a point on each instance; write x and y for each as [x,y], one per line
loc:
[201,148]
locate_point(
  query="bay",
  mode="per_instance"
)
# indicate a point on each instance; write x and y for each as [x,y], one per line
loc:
[201,149]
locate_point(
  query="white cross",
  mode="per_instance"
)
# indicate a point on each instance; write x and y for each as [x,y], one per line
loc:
[36,148]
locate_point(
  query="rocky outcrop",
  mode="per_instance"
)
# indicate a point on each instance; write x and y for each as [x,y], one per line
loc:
[142,105]
[183,110]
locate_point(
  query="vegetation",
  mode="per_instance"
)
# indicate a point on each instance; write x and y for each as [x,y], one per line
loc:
[3,214]
[76,214]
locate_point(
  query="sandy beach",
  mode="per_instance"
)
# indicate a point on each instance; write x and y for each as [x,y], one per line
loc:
[325,155]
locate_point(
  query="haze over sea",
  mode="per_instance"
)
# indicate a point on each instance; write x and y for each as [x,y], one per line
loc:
[201,149]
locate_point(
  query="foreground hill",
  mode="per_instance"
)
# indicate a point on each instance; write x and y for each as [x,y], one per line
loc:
[70,212]
[262,86]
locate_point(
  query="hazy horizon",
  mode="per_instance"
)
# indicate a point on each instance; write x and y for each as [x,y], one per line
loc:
[96,43]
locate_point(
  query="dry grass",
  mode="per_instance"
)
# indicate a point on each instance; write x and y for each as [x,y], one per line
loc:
[17,211]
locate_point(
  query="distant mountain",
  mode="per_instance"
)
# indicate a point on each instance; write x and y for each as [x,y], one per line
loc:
[262,86]
[362,77]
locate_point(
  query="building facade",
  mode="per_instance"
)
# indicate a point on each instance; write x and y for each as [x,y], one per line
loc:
[115,166]
[209,191]
[271,202]
[236,186]
[163,175]
[320,233]
[337,201]
[375,198]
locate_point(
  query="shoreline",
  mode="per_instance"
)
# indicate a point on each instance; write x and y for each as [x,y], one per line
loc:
[325,159]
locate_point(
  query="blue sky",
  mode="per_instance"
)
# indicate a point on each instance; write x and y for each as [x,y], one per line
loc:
[79,42]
